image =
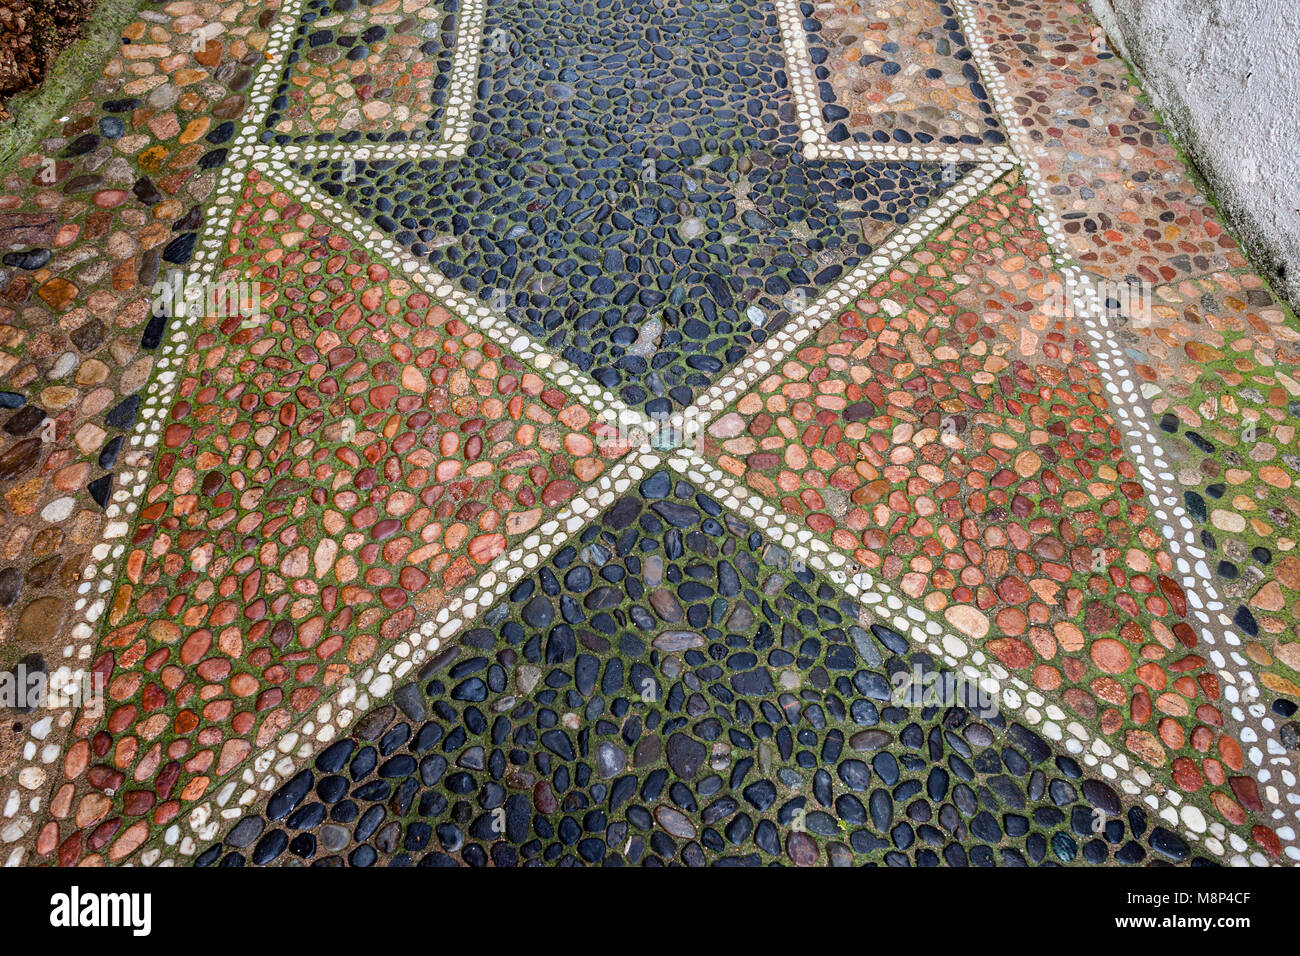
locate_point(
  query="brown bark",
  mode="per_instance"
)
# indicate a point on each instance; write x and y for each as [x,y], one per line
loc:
[31,33]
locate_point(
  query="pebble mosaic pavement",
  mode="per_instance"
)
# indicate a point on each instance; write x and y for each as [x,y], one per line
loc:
[663,432]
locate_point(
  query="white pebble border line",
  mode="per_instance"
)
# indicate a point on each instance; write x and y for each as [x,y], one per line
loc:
[458,114]
[357,152]
[1023,149]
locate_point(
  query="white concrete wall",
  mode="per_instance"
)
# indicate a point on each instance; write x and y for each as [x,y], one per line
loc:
[1225,74]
